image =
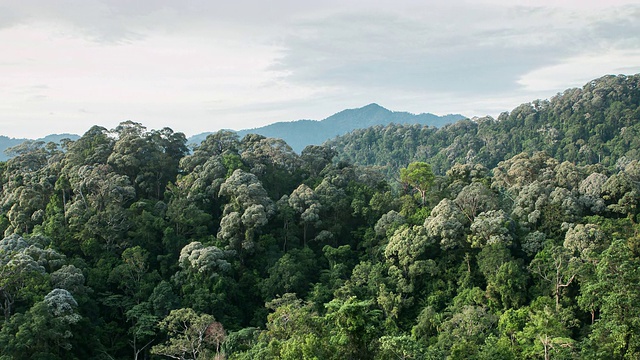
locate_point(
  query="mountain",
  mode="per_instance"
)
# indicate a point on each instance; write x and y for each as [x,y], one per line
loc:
[7,142]
[299,134]
[273,255]
[596,124]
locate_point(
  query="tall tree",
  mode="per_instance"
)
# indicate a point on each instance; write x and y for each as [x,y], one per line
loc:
[419,176]
[190,335]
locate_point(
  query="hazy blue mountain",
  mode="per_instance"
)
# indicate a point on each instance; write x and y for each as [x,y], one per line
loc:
[7,142]
[299,134]
[598,123]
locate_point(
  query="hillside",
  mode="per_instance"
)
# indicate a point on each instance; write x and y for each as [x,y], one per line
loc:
[7,142]
[598,123]
[299,134]
[126,243]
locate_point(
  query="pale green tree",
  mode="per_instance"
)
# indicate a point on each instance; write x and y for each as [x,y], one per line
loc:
[420,177]
[446,224]
[305,202]
[188,335]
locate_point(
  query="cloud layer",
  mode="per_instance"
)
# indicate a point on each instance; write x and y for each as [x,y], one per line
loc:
[208,65]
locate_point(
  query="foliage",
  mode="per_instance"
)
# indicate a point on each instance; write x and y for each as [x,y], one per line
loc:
[521,244]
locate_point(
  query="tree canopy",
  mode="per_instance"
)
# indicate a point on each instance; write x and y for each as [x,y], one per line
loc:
[514,238]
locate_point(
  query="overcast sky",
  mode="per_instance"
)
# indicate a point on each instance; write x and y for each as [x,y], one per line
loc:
[203,65]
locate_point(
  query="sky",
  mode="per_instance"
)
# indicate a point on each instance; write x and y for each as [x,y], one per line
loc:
[204,65]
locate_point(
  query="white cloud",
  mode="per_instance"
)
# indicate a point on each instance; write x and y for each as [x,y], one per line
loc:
[576,71]
[205,65]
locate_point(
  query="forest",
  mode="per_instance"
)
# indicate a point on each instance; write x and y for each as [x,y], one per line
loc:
[507,238]
[594,124]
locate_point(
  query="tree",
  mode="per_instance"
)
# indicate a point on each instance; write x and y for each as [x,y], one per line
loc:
[530,202]
[132,276]
[465,330]
[615,334]
[474,199]
[401,347]
[162,162]
[621,194]
[509,284]
[419,176]
[94,147]
[556,266]
[69,278]
[292,273]
[355,324]
[304,201]
[506,278]
[204,261]
[446,224]
[44,331]
[189,335]
[545,334]
[491,227]
[407,256]
[23,269]
[97,216]
[315,158]
[135,281]
[273,161]
[388,223]
[586,241]
[294,330]
[143,328]
[590,190]
[248,209]
[28,182]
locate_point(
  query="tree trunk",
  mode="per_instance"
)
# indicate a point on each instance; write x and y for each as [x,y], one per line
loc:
[304,235]
[8,303]
[545,344]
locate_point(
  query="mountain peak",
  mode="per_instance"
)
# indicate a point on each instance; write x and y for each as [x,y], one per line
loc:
[367,110]
[373,106]
[299,134]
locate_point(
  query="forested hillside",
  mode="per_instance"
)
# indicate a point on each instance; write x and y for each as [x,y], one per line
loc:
[301,133]
[123,244]
[7,143]
[597,123]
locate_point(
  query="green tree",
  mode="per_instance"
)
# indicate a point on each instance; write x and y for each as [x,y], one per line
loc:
[294,272]
[474,199]
[420,177]
[248,209]
[143,329]
[446,224]
[44,331]
[545,335]
[304,201]
[23,271]
[615,334]
[556,267]
[491,227]
[354,327]
[409,265]
[190,335]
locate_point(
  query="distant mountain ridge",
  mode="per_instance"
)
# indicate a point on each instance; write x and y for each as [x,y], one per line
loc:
[298,134]
[597,124]
[7,142]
